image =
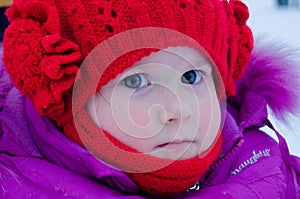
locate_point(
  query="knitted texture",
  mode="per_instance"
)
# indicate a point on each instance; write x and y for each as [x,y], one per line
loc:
[47,41]
[157,176]
[179,175]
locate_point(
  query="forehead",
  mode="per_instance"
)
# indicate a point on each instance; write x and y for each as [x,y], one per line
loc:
[176,57]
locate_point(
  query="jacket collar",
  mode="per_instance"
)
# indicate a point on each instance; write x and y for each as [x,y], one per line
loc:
[60,150]
[253,111]
[242,113]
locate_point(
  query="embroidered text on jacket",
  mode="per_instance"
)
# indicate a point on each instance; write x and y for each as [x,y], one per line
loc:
[253,159]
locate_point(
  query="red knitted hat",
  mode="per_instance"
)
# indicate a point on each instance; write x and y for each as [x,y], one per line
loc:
[48,40]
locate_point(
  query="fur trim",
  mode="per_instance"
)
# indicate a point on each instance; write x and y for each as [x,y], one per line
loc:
[273,73]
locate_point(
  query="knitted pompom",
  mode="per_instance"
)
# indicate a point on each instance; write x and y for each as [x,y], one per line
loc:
[240,42]
[41,63]
[245,44]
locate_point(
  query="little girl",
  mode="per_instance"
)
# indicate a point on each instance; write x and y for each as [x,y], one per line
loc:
[141,99]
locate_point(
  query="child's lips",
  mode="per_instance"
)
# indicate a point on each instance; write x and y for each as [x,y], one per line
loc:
[176,145]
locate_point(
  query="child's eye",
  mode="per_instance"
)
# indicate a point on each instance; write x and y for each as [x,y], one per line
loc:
[136,81]
[191,77]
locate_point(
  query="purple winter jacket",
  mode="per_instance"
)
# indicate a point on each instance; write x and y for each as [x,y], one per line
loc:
[38,161]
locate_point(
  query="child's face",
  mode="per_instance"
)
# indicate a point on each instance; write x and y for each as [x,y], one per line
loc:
[165,105]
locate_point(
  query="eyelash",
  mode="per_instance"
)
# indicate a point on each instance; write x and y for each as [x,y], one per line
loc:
[139,77]
[144,81]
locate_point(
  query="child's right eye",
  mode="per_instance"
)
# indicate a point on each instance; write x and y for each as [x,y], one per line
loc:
[191,77]
[136,81]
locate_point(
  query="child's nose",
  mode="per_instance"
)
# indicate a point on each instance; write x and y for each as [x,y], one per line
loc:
[176,108]
[174,114]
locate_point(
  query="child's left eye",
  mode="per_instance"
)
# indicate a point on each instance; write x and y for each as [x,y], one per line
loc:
[191,77]
[136,81]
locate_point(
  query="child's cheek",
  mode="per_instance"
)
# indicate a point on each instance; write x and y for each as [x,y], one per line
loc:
[209,116]
[144,116]
[138,111]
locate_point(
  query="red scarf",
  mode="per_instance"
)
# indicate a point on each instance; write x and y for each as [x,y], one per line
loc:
[157,176]
[177,176]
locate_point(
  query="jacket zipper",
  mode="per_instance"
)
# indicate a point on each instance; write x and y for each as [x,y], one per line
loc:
[201,183]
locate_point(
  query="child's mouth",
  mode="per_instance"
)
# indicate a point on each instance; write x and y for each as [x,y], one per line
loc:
[180,145]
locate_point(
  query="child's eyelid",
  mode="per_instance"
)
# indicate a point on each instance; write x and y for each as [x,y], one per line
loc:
[205,69]
[122,79]
[133,74]
[145,76]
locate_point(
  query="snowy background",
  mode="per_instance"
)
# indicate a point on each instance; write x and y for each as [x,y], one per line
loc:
[280,24]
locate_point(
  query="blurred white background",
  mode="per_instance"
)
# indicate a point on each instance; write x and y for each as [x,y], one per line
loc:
[279,24]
